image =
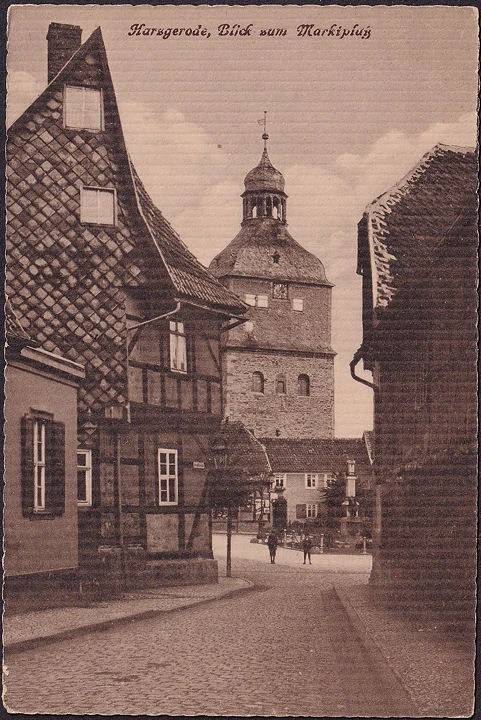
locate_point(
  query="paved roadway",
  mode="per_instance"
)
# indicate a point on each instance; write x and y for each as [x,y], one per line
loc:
[283,649]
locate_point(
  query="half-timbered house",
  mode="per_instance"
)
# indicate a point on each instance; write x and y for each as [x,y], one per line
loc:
[100,277]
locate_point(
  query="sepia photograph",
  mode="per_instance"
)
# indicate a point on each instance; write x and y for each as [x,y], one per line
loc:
[240,402]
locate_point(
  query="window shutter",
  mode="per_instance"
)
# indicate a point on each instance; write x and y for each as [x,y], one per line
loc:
[27,465]
[55,468]
[301,512]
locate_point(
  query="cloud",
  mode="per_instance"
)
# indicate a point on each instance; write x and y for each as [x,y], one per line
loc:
[176,158]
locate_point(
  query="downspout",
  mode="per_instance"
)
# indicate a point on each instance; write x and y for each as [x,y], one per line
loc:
[352,366]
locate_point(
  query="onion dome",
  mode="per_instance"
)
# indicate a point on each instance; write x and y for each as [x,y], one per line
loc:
[264,177]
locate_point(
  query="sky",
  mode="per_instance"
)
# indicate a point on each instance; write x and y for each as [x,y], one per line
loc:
[349,112]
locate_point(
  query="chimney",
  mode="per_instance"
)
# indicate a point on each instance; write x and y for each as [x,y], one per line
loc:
[63,41]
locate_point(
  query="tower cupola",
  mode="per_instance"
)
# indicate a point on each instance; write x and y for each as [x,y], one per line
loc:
[264,195]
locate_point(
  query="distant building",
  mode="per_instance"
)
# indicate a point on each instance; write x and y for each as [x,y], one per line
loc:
[101,278]
[278,366]
[40,490]
[303,468]
[418,260]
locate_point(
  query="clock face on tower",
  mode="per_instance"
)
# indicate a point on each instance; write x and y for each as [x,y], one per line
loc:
[279,291]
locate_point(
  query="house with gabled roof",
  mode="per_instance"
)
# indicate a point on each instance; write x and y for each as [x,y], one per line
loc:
[417,254]
[98,275]
[303,468]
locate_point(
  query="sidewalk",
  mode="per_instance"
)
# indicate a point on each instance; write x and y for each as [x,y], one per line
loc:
[435,667]
[28,630]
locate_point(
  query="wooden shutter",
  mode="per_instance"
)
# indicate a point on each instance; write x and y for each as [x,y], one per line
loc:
[27,465]
[55,468]
[301,512]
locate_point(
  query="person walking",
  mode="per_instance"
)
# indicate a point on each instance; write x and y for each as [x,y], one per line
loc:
[306,546]
[272,545]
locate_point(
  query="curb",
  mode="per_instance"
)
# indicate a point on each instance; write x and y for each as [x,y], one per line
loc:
[32,643]
[391,679]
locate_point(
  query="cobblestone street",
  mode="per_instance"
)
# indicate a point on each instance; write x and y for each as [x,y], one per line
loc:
[285,648]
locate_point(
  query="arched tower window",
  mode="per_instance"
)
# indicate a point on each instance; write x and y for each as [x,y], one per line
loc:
[276,209]
[269,206]
[281,385]
[257,382]
[303,385]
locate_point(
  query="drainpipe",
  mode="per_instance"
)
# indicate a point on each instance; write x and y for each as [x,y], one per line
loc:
[352,366]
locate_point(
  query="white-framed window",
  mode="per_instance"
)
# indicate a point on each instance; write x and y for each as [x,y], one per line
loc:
[280,481]
[298,304]
[38,465]
[256,300]
[168,477]
[83,108]
[311,510]
[311,480]
[84,477]
[178,347]
[97,205]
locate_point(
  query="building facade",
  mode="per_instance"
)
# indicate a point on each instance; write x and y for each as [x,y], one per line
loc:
[278,366]
[100,277]
[40,490]
[303,468]
[418,260]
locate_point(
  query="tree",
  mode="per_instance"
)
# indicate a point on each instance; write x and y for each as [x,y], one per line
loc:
[238,466]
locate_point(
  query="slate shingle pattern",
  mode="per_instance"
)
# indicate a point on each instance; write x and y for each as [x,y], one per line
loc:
[250,254]
[66,279]
[406,223]
[189,277]
[316,455]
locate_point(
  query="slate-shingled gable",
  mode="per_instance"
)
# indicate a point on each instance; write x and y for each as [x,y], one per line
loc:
[404,224]
[67,280]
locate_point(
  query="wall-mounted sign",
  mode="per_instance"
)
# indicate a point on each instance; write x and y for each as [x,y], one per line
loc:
[198,465]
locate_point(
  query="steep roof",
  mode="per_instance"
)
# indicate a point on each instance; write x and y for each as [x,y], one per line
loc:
[250,255]
[189,278]
[406,223]
[67,280]
[316,455]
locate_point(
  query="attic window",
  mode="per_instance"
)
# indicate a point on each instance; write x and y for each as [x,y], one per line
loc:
[83,108]
[298,304]
[276,257]
[97,205]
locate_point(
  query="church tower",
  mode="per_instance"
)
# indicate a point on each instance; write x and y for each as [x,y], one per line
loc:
[278,367]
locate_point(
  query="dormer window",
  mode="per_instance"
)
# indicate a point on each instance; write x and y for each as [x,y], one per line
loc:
[83,108]
[97,206]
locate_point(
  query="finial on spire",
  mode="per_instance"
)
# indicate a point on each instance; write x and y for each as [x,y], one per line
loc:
[265,136]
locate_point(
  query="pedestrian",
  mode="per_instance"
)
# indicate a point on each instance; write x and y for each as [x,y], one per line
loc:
[272,545]
[306,546]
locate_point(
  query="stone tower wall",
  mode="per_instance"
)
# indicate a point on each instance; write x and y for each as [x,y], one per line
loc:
[266,413]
